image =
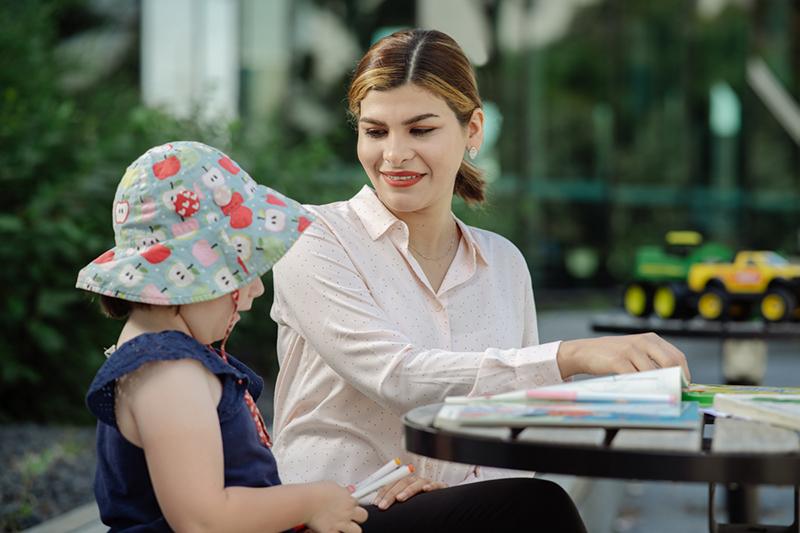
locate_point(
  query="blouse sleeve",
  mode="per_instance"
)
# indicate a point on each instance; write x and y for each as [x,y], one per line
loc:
[530,336]
[320,294]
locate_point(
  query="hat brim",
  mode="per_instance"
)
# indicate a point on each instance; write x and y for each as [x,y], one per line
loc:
[238,254]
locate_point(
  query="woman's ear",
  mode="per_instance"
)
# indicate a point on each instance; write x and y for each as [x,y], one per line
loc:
[475,128]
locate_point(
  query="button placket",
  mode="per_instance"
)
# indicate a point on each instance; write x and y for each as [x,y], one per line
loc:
[444,320]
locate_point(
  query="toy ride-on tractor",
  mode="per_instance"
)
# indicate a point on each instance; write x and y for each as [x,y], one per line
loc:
[660,275]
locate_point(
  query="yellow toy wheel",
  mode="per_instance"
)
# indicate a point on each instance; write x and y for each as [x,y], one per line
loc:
[665,302]
[636,300]
[778,304]
[713,304]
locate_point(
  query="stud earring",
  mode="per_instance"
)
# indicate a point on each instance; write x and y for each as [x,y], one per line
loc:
[473,152]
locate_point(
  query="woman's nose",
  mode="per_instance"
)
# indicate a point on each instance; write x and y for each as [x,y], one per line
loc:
[396,151]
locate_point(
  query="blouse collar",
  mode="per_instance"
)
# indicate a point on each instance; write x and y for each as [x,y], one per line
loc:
[377,220]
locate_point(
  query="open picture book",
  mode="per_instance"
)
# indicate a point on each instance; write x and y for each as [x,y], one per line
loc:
[650,399]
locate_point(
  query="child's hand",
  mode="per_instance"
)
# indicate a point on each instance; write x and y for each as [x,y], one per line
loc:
[333,509]
[405,488]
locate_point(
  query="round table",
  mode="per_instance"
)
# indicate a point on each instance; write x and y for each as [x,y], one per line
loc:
[606,462]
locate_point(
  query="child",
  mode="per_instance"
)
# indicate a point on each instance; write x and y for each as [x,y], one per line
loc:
[181,444]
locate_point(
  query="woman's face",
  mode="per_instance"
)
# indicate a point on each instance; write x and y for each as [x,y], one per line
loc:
[411,145]
[209,320]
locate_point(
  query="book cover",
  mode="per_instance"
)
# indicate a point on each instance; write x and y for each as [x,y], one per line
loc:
[704,394]
[662,385]
[782,410]
[684,415]
[734,435]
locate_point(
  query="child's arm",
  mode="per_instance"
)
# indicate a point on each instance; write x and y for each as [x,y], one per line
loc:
[173,407]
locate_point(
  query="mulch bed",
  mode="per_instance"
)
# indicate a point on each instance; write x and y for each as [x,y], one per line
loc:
[44,471]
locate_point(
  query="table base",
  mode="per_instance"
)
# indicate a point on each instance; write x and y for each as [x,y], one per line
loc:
[716,527]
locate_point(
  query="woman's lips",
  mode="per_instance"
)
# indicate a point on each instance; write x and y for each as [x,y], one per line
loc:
[401,179]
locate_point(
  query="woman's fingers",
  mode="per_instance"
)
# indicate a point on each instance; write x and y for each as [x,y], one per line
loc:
[665,354]
[407,487]
[433,485]
[642,361]
[413,488]
[619,355]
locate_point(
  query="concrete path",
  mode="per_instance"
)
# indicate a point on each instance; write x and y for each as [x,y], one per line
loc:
[84,519]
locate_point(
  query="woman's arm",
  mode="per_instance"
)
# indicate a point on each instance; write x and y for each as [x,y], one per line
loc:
[176,420]
[320,294]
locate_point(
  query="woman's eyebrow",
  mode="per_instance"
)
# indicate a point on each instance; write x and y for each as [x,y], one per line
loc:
[406,122]
[419,118]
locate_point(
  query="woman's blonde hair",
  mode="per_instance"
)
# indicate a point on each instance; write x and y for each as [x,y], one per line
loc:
[432,60]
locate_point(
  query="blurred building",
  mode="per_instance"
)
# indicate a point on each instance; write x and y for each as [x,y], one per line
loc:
[614,121]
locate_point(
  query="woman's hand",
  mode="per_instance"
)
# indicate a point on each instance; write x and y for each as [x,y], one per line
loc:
[618,355]
[405,488]
[333,509]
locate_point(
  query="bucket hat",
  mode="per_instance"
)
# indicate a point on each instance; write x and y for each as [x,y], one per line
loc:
[191,225]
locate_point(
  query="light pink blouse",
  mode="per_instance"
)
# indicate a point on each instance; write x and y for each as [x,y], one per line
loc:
[362,339]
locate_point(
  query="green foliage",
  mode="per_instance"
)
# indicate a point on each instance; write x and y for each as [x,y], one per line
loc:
[62,156]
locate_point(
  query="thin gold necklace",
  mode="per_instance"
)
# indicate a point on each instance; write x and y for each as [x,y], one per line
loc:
[439,258]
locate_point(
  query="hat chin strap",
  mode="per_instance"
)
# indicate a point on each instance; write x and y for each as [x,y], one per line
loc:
[255,413]
[228,328]
[231,320]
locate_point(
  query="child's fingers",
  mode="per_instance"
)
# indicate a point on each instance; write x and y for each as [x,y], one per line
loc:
[360,515]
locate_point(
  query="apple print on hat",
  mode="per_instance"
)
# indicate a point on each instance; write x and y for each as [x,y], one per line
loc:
[190,224]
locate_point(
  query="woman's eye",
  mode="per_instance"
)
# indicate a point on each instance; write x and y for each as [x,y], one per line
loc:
[375,133]
[421,131]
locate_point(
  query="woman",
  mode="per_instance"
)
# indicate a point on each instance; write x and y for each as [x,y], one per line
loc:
[390,302]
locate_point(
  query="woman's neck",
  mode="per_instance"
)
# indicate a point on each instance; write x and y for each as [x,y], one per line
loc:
[430,233]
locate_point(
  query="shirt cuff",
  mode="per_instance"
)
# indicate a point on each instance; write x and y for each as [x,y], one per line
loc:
[527,368]
[539,366]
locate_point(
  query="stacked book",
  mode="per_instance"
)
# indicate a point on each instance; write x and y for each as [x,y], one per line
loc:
[647,400]
[654,408]
[777,406]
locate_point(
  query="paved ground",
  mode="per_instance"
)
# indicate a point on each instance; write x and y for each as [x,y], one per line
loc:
[657,507]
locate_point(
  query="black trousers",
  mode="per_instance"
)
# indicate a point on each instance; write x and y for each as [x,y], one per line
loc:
[515,504]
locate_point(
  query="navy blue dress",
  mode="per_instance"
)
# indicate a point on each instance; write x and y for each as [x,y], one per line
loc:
[122,486]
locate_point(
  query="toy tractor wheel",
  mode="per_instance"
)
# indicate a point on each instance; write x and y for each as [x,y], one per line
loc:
[713,304]
[637,299]
[778,304]
[670,301]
